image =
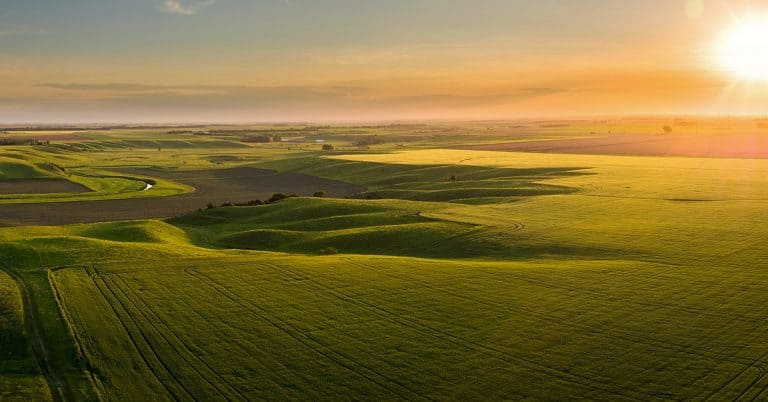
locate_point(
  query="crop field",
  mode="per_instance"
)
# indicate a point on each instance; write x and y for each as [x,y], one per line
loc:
[211,186]
[701,145]
[276,327]
[40,186]
[20,378]
[424,271]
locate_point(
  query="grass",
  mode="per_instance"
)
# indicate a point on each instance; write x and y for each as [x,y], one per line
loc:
[529,276]
[439,182]
[20,377]
[22,163]
[399,328]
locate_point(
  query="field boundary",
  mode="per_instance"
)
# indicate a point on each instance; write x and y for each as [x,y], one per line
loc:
[58,388]
[95,382]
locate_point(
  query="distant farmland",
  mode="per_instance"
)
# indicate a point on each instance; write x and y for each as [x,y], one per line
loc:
[406,271]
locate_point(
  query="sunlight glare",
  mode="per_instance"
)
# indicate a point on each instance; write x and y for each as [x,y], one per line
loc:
[743,49]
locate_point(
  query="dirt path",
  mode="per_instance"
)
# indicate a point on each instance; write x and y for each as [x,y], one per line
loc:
[58,387]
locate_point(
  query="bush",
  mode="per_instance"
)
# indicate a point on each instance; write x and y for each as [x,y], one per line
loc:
[210,206]
[250,203]
[327,147]
[319,194]
[279,197]
[227,204]
[328,251]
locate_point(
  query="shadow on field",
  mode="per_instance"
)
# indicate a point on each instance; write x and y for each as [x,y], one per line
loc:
[212,186]
[40,186]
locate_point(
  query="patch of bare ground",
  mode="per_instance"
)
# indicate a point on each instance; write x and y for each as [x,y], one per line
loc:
[211,186]
[40,186]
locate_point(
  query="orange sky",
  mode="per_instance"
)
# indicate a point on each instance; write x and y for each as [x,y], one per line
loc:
[302,60]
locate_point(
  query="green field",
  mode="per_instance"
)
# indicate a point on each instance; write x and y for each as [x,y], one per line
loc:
[455,275]
[20,379]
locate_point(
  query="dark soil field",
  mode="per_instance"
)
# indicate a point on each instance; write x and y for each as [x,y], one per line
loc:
[40,186]
[212,186]
[703,146]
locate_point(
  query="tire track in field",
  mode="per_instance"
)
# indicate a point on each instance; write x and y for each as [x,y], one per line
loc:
[151,322]
[689,310]
[472,345]
[614,334]
[307,341]
[759,394]
[760,376]
[676,347]
[59,388]
[243,343]
[645,341]
[756,363]
[617,334]
[78,340]
[94,275]
[753,364]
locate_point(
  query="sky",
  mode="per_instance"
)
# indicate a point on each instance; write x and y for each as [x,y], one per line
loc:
[175,61]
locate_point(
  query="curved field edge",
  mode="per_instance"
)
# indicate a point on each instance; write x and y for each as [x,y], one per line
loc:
[434,182]
[701,306]
[332,310]
[20,377]
[632,177]
[402,328]
[105,185]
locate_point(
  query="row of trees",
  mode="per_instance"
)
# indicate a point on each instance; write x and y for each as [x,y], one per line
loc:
[20,141]
[263,138]
[276,197]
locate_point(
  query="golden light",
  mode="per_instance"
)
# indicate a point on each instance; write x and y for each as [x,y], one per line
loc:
[743,49]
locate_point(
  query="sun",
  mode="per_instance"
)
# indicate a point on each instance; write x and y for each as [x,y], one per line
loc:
[743,49]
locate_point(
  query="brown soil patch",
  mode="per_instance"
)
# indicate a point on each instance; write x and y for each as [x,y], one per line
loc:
[701,146]
[212,186]
[40,186]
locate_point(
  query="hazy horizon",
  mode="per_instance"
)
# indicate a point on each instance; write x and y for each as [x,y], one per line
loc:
[238,61]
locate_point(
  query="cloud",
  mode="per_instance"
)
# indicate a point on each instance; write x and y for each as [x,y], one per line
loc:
[317,98]
[179,7]
[100,87]
[19,30]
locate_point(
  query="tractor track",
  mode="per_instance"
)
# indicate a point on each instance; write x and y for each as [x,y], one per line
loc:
[60,390]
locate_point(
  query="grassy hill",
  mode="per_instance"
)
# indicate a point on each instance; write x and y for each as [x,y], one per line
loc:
[20,377]
[439,182]
[477,276]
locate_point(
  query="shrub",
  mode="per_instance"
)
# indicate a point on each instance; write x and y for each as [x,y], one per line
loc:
[250,203]
[319,194]
[327,147]
[210,206]
[328,251]
[279,197]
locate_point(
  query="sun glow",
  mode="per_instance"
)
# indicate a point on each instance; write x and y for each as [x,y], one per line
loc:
[743,49]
